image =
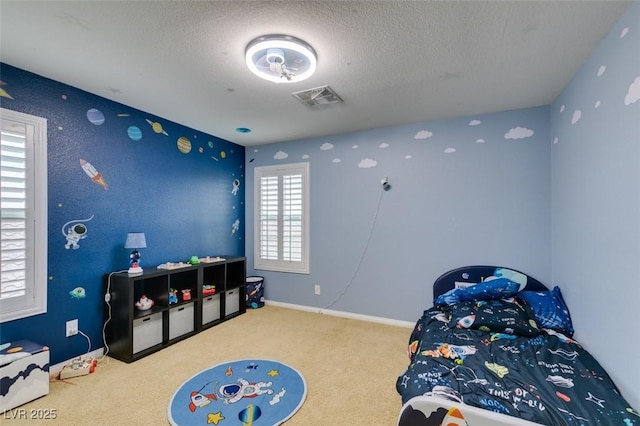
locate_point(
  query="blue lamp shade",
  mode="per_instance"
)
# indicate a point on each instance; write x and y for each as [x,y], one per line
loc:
[135,240]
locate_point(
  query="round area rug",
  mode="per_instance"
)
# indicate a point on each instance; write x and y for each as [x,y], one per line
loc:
[245,392]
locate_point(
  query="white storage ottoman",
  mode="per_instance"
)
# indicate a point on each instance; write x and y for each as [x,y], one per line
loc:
[24,373]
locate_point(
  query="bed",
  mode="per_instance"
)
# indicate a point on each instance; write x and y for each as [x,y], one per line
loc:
[497,349]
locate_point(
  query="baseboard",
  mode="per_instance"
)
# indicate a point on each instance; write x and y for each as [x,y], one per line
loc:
[361,317]
[55,369]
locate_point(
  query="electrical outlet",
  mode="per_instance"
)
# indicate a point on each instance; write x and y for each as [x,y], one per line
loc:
[317,290]
[72,327]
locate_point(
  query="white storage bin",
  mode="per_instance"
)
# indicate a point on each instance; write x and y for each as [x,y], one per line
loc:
[147,332]
[231,302]
[180,320]
[211,309]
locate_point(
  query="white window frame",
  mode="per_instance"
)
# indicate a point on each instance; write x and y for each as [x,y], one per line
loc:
[33,301]
[279,264]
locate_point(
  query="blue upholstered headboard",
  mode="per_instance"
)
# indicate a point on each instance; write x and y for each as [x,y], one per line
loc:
[469,275]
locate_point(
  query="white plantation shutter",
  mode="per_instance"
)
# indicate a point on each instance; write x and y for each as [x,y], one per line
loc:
[282,218]
[23,235]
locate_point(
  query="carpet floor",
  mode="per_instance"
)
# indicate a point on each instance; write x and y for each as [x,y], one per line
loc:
[350,367]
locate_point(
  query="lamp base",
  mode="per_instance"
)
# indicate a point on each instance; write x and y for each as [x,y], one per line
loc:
[135,270]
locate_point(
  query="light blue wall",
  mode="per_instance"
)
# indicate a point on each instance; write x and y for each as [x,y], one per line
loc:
[462,193]
[183,200]
[595,129]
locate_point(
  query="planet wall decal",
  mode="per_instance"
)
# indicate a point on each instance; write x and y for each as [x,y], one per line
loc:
[95,116]
[184,145]
[157,127]
[134,133]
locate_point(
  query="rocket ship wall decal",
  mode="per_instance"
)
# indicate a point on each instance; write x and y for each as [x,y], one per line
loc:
[96,176]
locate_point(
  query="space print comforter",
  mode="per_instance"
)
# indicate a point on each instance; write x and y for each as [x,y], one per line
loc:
[509,367]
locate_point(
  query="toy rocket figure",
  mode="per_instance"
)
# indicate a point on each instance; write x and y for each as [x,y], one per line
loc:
[96,177]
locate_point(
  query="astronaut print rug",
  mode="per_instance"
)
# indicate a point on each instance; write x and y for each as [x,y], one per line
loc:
[245,392]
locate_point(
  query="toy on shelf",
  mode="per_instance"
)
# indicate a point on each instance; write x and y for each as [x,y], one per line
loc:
[208,289]
[144,303]
[173,296]
[193,260]
[172,265]
[78,367]
[210,259]
[186,294]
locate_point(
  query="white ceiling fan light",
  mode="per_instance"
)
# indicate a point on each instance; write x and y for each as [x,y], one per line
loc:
[280,58]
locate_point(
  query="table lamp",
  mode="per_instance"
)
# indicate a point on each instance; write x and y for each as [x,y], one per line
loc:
[135,241]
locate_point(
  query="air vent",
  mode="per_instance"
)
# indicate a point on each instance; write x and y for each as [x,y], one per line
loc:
[318,97]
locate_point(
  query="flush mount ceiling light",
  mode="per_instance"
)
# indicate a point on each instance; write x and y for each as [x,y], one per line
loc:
[280,58]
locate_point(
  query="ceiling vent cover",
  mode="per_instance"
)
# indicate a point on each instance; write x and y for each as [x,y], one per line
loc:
[318,97]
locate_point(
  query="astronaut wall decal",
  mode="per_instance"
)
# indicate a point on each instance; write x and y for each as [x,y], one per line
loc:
[74,231]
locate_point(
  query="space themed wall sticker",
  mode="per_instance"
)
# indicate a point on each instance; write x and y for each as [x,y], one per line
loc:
[157,127]
[74,231]
[78,293]
[184,145]
[112,170]
[94,175]
[235,226]
[95,116]
[134,133]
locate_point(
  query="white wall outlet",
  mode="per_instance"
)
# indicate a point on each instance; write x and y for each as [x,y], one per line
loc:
[317,290]
[72,327]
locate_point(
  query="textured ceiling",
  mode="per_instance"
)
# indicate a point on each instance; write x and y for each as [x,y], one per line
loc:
[393,62]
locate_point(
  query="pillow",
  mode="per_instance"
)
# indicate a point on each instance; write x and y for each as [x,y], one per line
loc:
[494,289]
[549,309]
[507,316]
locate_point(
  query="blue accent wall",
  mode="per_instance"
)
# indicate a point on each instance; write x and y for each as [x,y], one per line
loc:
[184,189]
[595,130]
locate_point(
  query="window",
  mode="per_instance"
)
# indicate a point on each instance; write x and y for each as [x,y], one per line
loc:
[23,242]
[282,218]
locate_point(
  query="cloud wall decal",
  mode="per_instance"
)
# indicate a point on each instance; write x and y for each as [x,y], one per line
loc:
[280,155]
[326,146]
[518,133]
[423,134]
[367,163]
[633,94]
[577,114]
